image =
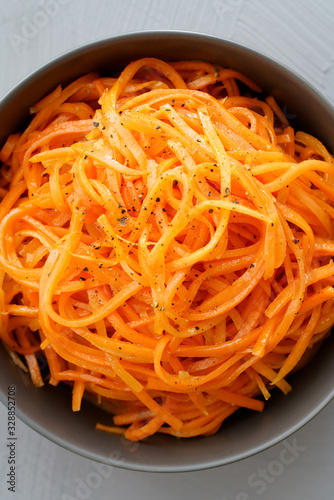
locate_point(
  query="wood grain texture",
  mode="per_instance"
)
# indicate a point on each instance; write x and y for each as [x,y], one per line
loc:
[298,33]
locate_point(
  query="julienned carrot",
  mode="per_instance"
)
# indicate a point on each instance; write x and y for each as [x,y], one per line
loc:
[169,252]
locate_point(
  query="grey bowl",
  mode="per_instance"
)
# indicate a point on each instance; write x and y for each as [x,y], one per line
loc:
[48,410]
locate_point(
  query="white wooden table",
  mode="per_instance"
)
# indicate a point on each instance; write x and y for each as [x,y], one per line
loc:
[298,33]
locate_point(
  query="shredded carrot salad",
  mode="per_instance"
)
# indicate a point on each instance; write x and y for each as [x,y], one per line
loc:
[166,244]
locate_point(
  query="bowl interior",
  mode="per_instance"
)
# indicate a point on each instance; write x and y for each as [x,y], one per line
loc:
[48,410]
